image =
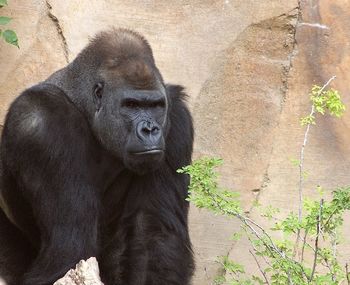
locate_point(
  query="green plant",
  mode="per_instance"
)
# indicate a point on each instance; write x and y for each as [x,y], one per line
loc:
[8,35]
[282,261]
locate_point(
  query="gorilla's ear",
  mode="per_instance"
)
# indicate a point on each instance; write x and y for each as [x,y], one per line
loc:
[176,91]
[98,92]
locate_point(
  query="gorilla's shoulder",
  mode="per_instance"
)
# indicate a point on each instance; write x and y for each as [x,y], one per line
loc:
[39,107]
[40,95]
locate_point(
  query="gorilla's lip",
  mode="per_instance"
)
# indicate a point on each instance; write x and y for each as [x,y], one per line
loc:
[150,151]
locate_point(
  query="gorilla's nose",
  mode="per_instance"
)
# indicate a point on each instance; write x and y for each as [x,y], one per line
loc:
[149,132]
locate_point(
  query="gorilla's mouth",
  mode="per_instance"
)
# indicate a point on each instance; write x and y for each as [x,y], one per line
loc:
[151,151]
[144,160]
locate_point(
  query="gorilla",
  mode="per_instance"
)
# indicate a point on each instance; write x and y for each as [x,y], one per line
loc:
[88,168]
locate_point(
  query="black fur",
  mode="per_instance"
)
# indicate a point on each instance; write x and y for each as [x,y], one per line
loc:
[69,188]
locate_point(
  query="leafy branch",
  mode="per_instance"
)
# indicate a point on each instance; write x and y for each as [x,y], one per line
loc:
[322,100]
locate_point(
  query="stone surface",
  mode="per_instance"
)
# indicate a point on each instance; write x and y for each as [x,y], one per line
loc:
[233,108]
[322,50]
[40,50]
[248,76]
[85,273]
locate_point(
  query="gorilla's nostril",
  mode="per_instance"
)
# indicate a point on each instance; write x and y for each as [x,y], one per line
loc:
[148,129]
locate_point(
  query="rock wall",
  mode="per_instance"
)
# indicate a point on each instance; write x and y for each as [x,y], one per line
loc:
[248,67]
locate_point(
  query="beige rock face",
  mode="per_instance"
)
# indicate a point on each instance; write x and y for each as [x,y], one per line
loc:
[40,50]
[322,50]
[247,66]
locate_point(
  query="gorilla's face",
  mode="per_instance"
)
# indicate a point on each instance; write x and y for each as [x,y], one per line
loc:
[131,124]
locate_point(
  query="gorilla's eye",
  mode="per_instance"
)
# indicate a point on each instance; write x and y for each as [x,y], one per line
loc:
[98,90]
[131,104]
[159,103]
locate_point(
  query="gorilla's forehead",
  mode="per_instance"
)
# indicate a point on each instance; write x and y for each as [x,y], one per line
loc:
[134,71]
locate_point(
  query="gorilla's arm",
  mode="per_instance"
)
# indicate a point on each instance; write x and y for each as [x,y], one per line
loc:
[43,128]
[161,251]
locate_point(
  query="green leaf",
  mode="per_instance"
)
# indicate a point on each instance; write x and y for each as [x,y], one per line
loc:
[5,20]
[308,120]
[236,236]
[294,161]
[3,3]
[219,280]
[10,37]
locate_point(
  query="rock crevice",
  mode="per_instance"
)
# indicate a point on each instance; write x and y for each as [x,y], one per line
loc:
[59,30]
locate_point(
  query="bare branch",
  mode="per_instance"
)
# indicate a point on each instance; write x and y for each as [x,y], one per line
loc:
[334,248]
[255,249]
[316,240]
[261,270]
[347,273]
[303,248]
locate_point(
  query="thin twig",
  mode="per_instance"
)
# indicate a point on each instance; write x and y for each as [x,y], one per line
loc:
[334,243]
[334,247]
[324,260]
[347,273]
[248,222]
[255,249]
[303,248]
[329,218]
[290,279]
[316,240]
[261,270]
[271,247]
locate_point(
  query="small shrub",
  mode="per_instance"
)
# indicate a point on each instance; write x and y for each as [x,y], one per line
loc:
[282,261]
